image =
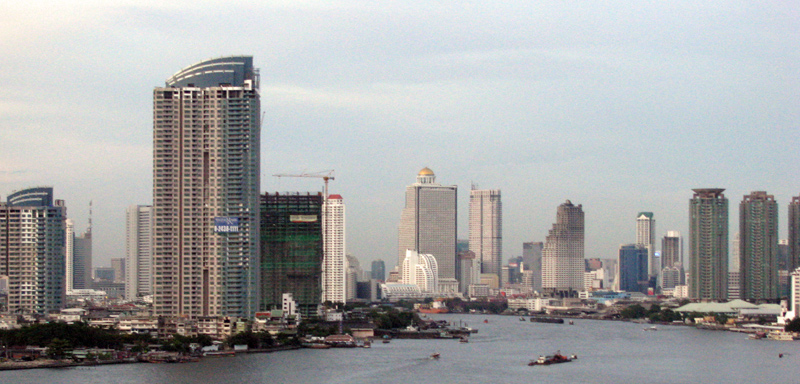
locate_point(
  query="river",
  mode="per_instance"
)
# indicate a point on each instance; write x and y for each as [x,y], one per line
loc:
[608,352]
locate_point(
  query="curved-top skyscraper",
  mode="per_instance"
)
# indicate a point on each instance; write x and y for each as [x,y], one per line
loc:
[206,158]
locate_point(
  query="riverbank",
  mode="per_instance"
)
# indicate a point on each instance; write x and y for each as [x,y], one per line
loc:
[50,363]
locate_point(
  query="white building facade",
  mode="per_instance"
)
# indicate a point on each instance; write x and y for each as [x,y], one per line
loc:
[138,251]
[421,270]
[334,268]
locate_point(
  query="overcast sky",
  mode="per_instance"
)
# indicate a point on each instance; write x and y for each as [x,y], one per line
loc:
[622,106]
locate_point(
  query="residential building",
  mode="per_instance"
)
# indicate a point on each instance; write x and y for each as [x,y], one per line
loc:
[758,228]
[486,229]
[291,251]
[138,251]
[428,225]
[633,271]
[562,256]
[672,260]
[708,244]
[69,252]
[378,270]
[32,251]
[646,236]
[334,265]
[206,177]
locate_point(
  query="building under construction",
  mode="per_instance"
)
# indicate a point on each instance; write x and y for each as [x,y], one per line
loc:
[291,250]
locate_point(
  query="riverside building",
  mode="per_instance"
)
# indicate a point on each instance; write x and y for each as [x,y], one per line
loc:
[334,283]
[206,159]
[428,226]
[138,251]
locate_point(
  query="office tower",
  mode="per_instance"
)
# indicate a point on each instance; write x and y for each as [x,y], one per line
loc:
[206,158]
[32,250]
[671,249]
[486,229]
[758,228]
[633,273]
[469,270]
[82,260]
[708,244]
[334,287]
[138,251]
[421,270]
[291,250]
[532,261]
[428,225]
[562,256]
[646,236]
[378,270]
[794,234]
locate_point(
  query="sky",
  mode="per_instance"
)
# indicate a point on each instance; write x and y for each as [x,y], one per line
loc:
[621,106]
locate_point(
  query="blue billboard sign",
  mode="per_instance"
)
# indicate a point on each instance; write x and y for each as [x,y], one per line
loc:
[226,224]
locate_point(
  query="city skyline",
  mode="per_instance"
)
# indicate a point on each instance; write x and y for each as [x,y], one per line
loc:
[668,83]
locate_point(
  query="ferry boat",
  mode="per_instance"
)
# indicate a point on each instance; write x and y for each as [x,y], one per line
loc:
[556,358]
[435,356]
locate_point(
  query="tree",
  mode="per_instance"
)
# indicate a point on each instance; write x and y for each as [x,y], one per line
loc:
[58,348]
[793,326]
[634,311]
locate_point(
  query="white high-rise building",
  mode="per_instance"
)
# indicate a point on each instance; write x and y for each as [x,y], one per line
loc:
[562,257]
[206,162]
[428,225]
[334,283]
[421,270]
[646,236]
[138,251]
[69,250]
[486,229]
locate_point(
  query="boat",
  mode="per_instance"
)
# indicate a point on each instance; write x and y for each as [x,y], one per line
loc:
[653,328]
[556,358]
[463,339]
[756,336]
[486,321]
[316,345]
[434,356]
[546,319]
[386,341]
[571,322]
[521,318]
[437,306]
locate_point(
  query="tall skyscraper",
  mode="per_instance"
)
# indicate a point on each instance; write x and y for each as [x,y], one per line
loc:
[32,250]
[378,270]
[532,261]
[486,229]
[646,237]
[138,251]
[708,244]
[562,256]
[69,251]
[352,276]
[758,228]
[206,159]
[428,225]
[794,233]
[291,250]
[334,288]
[633,274]
[734,284]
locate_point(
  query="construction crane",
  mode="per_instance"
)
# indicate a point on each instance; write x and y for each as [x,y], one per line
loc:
[324,175]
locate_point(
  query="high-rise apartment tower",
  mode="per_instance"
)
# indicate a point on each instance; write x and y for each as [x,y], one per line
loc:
[708,244]
[206,159]
[758,230]
[138,251]
[334,288]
